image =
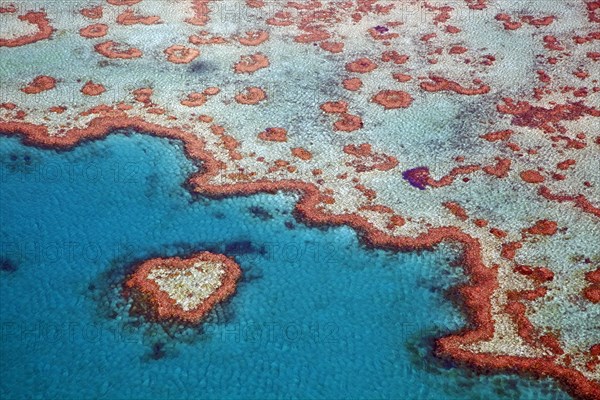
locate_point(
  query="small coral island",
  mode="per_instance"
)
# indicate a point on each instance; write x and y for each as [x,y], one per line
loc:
[181,289]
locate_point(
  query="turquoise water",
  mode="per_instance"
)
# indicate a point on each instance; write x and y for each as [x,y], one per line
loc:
[316,315]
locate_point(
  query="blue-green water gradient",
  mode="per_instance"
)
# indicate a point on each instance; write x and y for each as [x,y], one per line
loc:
[316,315]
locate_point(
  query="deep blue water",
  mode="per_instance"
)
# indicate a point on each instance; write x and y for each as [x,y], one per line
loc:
[316,315]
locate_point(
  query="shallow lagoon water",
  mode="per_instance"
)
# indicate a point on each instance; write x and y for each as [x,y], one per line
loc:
[316,314]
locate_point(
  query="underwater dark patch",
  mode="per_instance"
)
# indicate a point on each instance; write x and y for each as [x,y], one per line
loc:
[158,350]
[7,265]
[152,184]
[421,347]
[20,163]
[218,215]
[251,274]
[240,247]
[201,67]
[290,225]
[243,248]
[260,213]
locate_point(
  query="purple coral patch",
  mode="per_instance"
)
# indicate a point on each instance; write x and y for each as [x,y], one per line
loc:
[417,177]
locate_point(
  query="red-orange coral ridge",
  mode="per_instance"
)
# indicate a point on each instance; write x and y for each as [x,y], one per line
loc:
[113,49]
[440,84]
[164,307]
[44,30]
[94,31]
[476,295]
[39,84]
[178,54]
